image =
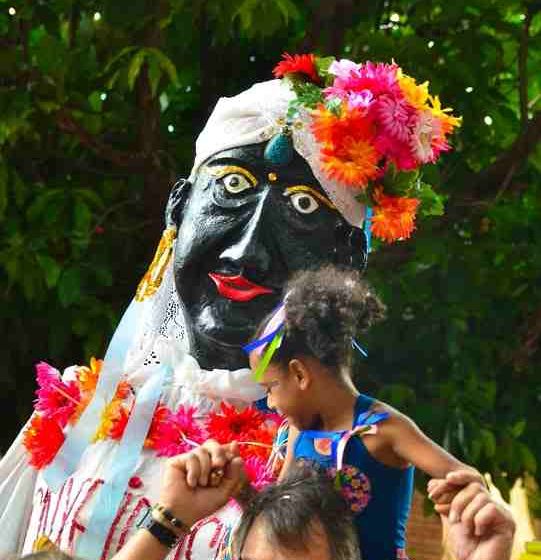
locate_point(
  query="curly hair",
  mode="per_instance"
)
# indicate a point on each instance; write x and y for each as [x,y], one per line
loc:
[324,309]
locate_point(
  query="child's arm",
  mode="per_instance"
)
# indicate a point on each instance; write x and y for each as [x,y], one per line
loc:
[410,444]
[290,451]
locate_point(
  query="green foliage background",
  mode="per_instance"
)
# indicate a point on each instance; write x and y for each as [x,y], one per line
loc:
[100,103]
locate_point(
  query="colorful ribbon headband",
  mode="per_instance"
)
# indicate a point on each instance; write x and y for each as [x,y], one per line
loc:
[273,335]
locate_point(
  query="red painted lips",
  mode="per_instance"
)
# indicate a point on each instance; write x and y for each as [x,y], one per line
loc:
[237,288]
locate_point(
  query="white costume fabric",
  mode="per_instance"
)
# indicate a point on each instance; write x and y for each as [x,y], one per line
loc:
[28,507]
[62,502]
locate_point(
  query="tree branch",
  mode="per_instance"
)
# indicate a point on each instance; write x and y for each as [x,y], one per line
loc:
[328,21]
[530,341]
[74,20]
[135,162]
[508,162]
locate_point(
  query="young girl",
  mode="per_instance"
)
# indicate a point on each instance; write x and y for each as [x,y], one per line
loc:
[302,357]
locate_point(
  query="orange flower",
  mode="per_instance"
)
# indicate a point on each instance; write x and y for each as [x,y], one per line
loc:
[88,376]
[354,164]
[113,421]
[394,216]
[348,154]
[330,128]
[42,440]
[87,379]
[448,121]
[123,390]
[160,416]
[118,424]
[297,64]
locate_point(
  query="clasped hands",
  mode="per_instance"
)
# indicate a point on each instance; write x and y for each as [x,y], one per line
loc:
[479,528]
[198,483]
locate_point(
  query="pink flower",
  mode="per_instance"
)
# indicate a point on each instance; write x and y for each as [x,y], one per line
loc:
[427,141]
[395,116]
[399,153]
[173,433]
[362,99]
[274,418]
[377,78]
[56,400]
[258,473]
[343,68]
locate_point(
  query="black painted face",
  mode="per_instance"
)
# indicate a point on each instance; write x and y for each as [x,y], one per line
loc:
[244,227]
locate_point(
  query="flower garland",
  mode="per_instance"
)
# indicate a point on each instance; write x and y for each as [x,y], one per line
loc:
[60,403]
[375,127]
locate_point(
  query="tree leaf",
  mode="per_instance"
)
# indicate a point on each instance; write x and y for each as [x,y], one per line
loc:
[69,286]
[154,75]
[50,268]
[117,57]
[135,67]
[432,204]
[165,63]
[51,56]
[518,428]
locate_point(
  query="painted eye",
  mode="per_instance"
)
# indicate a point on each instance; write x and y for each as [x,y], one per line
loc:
[236,183]
[304,203]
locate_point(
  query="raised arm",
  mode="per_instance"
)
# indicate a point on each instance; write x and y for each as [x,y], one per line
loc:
[292,435]
[187,492]
[411,445]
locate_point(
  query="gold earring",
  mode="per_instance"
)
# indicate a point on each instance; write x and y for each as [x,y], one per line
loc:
[153,277]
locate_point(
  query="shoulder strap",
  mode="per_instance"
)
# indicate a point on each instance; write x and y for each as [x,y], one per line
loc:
[364,402]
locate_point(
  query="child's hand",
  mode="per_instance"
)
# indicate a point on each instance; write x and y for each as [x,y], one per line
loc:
[209,459]
[442,490]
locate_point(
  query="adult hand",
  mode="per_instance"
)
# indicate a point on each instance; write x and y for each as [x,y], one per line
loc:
[479,529]
[186,490]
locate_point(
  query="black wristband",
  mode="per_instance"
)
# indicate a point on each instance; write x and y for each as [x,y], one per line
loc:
[175,521]
[159,531]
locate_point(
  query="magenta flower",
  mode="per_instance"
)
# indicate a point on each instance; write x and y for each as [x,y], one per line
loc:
[56,400]
[395,116]
[377,78]
[399,153]
[172,433]
[258,473]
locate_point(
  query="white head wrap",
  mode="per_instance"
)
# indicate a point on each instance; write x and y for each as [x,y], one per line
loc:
[255,116]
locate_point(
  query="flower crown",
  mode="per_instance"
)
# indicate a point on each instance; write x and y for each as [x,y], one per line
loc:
[375,127]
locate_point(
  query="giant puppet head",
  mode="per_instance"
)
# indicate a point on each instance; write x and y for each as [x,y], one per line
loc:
[283,177]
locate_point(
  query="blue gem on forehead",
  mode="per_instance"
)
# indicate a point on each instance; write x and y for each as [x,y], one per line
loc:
[279,150]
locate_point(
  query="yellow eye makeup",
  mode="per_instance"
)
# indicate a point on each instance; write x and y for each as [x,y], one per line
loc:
[309,190]
[223,170]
